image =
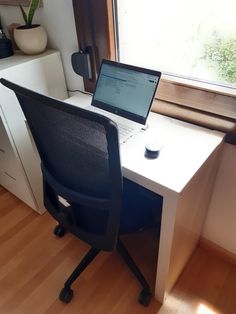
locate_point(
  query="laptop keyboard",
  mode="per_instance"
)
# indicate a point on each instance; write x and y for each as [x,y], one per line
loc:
[125,131]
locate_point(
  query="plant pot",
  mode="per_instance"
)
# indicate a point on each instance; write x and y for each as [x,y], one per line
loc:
[31,40]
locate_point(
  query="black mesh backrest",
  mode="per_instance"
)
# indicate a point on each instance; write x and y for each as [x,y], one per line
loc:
[73,148]
[79,152]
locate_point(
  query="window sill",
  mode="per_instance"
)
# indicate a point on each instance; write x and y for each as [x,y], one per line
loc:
[197,98]
[196,84]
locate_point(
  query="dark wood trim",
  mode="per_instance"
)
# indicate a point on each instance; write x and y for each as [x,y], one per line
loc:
[197,98]
[95,32]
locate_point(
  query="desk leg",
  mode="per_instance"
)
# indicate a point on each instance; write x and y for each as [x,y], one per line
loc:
[166,236]
[183,218]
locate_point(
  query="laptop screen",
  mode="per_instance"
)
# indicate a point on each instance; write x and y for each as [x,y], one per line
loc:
[126,90]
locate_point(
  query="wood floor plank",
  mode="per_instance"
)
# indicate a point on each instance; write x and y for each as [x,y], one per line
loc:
[227,299]
[13,217]
[41,289]
[34,265]
[7,203]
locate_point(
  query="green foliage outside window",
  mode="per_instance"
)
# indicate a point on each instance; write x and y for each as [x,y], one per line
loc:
[221,54]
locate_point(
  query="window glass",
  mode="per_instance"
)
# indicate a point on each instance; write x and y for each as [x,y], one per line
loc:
[186,38]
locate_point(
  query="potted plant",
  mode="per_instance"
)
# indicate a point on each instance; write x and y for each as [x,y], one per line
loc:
[30,38]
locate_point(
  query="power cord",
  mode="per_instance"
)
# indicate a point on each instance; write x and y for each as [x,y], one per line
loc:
[80,91]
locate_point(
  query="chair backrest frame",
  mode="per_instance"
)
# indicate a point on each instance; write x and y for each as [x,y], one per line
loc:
[113,203]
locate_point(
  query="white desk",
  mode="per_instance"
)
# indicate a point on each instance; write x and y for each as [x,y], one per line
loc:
[183,174]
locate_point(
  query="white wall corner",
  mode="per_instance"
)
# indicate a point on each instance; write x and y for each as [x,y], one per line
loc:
[220,225]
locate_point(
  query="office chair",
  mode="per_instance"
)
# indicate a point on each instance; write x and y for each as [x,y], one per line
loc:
[83,185]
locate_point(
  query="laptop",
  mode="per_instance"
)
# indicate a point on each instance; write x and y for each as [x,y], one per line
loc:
[124,93]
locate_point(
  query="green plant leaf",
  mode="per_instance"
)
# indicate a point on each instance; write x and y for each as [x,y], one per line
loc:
[33,7]
[221,55]
[23,13]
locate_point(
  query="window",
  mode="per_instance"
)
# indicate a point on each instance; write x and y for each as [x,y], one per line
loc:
[195,90]
[195,40]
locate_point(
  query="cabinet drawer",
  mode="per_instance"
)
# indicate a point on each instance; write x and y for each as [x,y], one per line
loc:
[9,160]
[12,175]
[18,187]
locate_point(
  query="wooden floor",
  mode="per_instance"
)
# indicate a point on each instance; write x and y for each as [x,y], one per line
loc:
[34,264]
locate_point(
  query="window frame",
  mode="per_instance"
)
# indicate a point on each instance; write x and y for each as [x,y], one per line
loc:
[197,104]
[95,33]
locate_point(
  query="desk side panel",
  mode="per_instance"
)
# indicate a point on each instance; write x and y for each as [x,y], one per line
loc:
[190,216]
[170,201]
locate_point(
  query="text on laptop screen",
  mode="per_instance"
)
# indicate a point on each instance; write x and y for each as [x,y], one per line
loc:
[126,90]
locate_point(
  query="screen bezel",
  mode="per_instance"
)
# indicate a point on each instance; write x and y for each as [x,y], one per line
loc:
[121,112]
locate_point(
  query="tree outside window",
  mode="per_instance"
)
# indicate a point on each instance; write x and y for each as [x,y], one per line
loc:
[191,39]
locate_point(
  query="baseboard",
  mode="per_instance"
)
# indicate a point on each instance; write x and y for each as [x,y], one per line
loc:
[218,250]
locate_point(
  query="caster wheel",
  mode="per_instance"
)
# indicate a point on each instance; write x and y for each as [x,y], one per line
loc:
[145,297]
[66,295]
[59,231]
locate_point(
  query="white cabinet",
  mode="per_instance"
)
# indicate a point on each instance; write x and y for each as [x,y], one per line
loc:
[19,163]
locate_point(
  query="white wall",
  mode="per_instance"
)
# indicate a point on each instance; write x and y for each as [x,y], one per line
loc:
[220,226]
[58,19]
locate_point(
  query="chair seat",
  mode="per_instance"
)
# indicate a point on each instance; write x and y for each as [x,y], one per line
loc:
[141,210]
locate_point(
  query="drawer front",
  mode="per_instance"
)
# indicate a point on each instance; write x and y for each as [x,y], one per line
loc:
[9,160]
[18,187]
[12,175]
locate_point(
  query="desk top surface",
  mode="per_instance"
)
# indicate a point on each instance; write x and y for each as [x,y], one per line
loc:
[185,148]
